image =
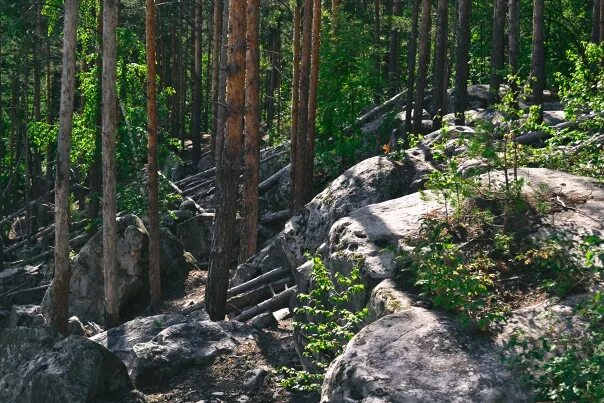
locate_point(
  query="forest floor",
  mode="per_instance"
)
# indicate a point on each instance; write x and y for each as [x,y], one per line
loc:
[222,381]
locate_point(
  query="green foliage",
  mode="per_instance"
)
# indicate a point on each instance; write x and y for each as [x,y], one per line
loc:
[133,197]
[582,91]
[564,367]
[331,321]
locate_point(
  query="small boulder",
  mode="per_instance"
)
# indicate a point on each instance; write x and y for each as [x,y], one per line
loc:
[253,379]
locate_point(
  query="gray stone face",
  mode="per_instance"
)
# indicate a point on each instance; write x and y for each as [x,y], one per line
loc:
[122,339]
[86,287]
[180,346]
[419,356]
[196,235]
[38,366]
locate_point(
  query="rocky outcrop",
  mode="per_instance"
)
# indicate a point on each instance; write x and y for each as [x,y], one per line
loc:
[196,235]
[183,345]
[86,287]
[36,365]
[420,356]
[21,285]
[157,347]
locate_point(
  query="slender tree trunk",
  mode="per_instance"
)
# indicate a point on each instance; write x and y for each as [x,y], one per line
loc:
[249,219]
[217,42]
[424,62]
[595,22]
[222,79]
[110,15]
[60,286]
[440,63]
[309,165]
[298,164]
[227,174]
[514,40]
[154,245]
[197,80]
[462,65]
[538,55]
[335,13]
[601,20]
[295,106]
[94,204]
[377,62]
[497,50]
[411,62]
[394,51]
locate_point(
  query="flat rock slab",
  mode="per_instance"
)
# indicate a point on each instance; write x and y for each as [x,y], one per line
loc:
[419,356]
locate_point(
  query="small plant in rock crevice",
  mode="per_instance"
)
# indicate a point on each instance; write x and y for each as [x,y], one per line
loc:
[327,320]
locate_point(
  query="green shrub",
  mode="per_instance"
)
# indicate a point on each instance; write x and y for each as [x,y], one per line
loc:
[331,322]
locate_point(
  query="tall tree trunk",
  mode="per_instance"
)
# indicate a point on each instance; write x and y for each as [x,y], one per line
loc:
[411,62]
[249,219]
[595,22]
[601,20]
[60,285]
[154,245]
[335,13]
[377,57]
[309,164]
[440,55]
[424,62]
[298,163]
[295,105]
[110,15]
[197,79]
[394,51]
[222,79]
[227,174]
[514,40]
[538,55]
[497,50]
[217,42]
[94,204]
[462,64]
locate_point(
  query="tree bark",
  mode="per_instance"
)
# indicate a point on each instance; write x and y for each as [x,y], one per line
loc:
[411,62]
[497,50]
[335,13]
[96,179]
[60,285]
[595,22]
[424,61]
[309,164]
[295,103]
[227,176]
[462,64]
[394,51]
[538,55]
[197,80]
[154,244]
[440,55]
[514,40]
[601,21]
[249,219]
[222,78]
[217,41]
[110,16]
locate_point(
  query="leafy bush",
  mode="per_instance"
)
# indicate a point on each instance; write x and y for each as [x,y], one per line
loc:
[331,323]
[565,367]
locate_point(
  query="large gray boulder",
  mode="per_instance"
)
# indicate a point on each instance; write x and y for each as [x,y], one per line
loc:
[420,356]
[36,365]
[371,181]
[183,345]
[86,287]
[121,339]
[196,235]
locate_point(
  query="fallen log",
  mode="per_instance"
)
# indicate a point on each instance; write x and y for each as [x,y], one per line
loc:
[178,191]
[24,208]
[278,216]
[265,278]
[372,114]
[272,180]
[243,301]
[279,301]
[45,232]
